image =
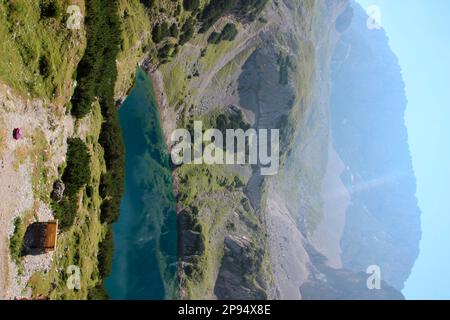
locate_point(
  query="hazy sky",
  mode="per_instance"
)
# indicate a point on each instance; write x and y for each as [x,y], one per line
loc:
[419,33]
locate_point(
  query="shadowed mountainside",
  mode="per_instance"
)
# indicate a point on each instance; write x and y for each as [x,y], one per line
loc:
[326,283]
[367,105]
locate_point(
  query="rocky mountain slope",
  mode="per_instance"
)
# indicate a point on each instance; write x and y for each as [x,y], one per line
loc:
[228,231]
[368,103]
[375,218]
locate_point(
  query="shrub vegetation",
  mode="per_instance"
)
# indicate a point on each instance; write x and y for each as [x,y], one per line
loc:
[229,33]
[187,31]
[76,175]
[191,5]
[77,172]
[15,242]
[49,9]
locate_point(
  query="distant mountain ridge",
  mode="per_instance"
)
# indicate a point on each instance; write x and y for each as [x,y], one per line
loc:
[367,106]
[325,283]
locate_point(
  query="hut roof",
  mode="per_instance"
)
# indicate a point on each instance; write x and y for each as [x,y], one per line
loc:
[42,235]
[51,235]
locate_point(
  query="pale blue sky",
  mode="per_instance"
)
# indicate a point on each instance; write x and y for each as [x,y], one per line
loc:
[419,34]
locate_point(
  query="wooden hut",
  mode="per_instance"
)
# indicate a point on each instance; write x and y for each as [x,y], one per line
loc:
[41,237]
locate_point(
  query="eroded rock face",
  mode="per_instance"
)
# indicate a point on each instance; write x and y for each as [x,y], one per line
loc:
[237,278]
[265,91]
[192,243]
[263,88]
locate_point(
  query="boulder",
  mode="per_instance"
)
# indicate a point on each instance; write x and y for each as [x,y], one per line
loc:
[58,190]
[17,134]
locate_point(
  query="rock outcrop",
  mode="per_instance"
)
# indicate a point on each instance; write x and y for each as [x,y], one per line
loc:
[58,191]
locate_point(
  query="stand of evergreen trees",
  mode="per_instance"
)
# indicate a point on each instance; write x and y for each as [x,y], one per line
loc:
[229,33]
[201,18]
[76,175]
[96,77]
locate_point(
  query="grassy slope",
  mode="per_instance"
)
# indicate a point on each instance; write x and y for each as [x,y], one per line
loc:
[136,29]
[79,245]
[312,123]
[28,39]
[39,59]
[209,189]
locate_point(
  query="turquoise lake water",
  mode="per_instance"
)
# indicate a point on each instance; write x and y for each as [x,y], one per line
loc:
[145,236]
